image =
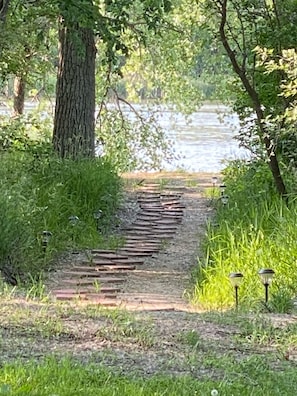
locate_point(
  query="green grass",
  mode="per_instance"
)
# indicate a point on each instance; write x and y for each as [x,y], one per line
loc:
[58,349]
[39,192]
[251,376]
[255,230]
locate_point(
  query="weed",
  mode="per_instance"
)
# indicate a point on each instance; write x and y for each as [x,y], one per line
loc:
[191,338]
[120,325]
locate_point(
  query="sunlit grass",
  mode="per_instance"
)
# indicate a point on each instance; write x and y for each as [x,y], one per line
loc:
[255,230]
[248,376]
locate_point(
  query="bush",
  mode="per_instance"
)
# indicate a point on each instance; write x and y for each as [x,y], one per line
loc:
[40,192]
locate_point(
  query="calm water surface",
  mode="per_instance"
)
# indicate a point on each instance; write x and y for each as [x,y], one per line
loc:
[204,140]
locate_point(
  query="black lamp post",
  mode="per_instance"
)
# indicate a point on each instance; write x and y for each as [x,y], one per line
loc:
[236,279]
[46,236]
[222,189]
[266,275]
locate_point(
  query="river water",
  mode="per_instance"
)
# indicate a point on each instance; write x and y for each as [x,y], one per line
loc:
[204,141]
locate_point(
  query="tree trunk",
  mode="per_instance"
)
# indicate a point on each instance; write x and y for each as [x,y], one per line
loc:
[4,4]
[74,123]
[263,132]
[18,95]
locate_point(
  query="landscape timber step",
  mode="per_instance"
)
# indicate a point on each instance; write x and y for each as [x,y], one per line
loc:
[152,200]
[86,288]
[100,300]
[139,238]
[100,262]
[150,194]
[137,254]
[150,235]
[156,228]
[105,268]
[137,248]
[160,236]
[173,195]
[82,294]
[111,254]
[95,274]
[157,220]
[96,279]
[169,222]
[140,249]
[78,282]
[152,209]
[148,216]
[173,204]
[125,261]
[142,242]
[142,223]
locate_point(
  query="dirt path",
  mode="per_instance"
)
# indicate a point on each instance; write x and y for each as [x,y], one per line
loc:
[163,281]
[162,220]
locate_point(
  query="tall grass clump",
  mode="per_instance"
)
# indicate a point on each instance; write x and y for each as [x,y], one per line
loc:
[255,230]
[38,192]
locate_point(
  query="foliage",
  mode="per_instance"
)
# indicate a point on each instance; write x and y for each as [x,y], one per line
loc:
[286,64]
[242,27]
[28,42]
[132,139]
[40,192]
[255,230]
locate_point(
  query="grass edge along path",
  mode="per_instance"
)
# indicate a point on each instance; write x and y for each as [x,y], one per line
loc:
[69,378]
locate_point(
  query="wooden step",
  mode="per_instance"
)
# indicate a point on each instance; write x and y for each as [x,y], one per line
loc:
[105,268]
[96,277]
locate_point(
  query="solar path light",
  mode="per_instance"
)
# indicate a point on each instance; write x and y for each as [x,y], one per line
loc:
[224,199]
[46,236]
[97,215]
[266,275]
[236,279]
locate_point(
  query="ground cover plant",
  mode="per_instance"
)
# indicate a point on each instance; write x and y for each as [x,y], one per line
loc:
[256,229]
[40,192]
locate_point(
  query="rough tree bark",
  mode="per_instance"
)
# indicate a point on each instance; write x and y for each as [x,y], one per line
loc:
[3,10]
[74,123]
[263,132]
[18,95]
[4,4]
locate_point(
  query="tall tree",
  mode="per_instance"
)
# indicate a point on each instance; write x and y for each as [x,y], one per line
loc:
[241,27]
[74,126]
[113,23]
